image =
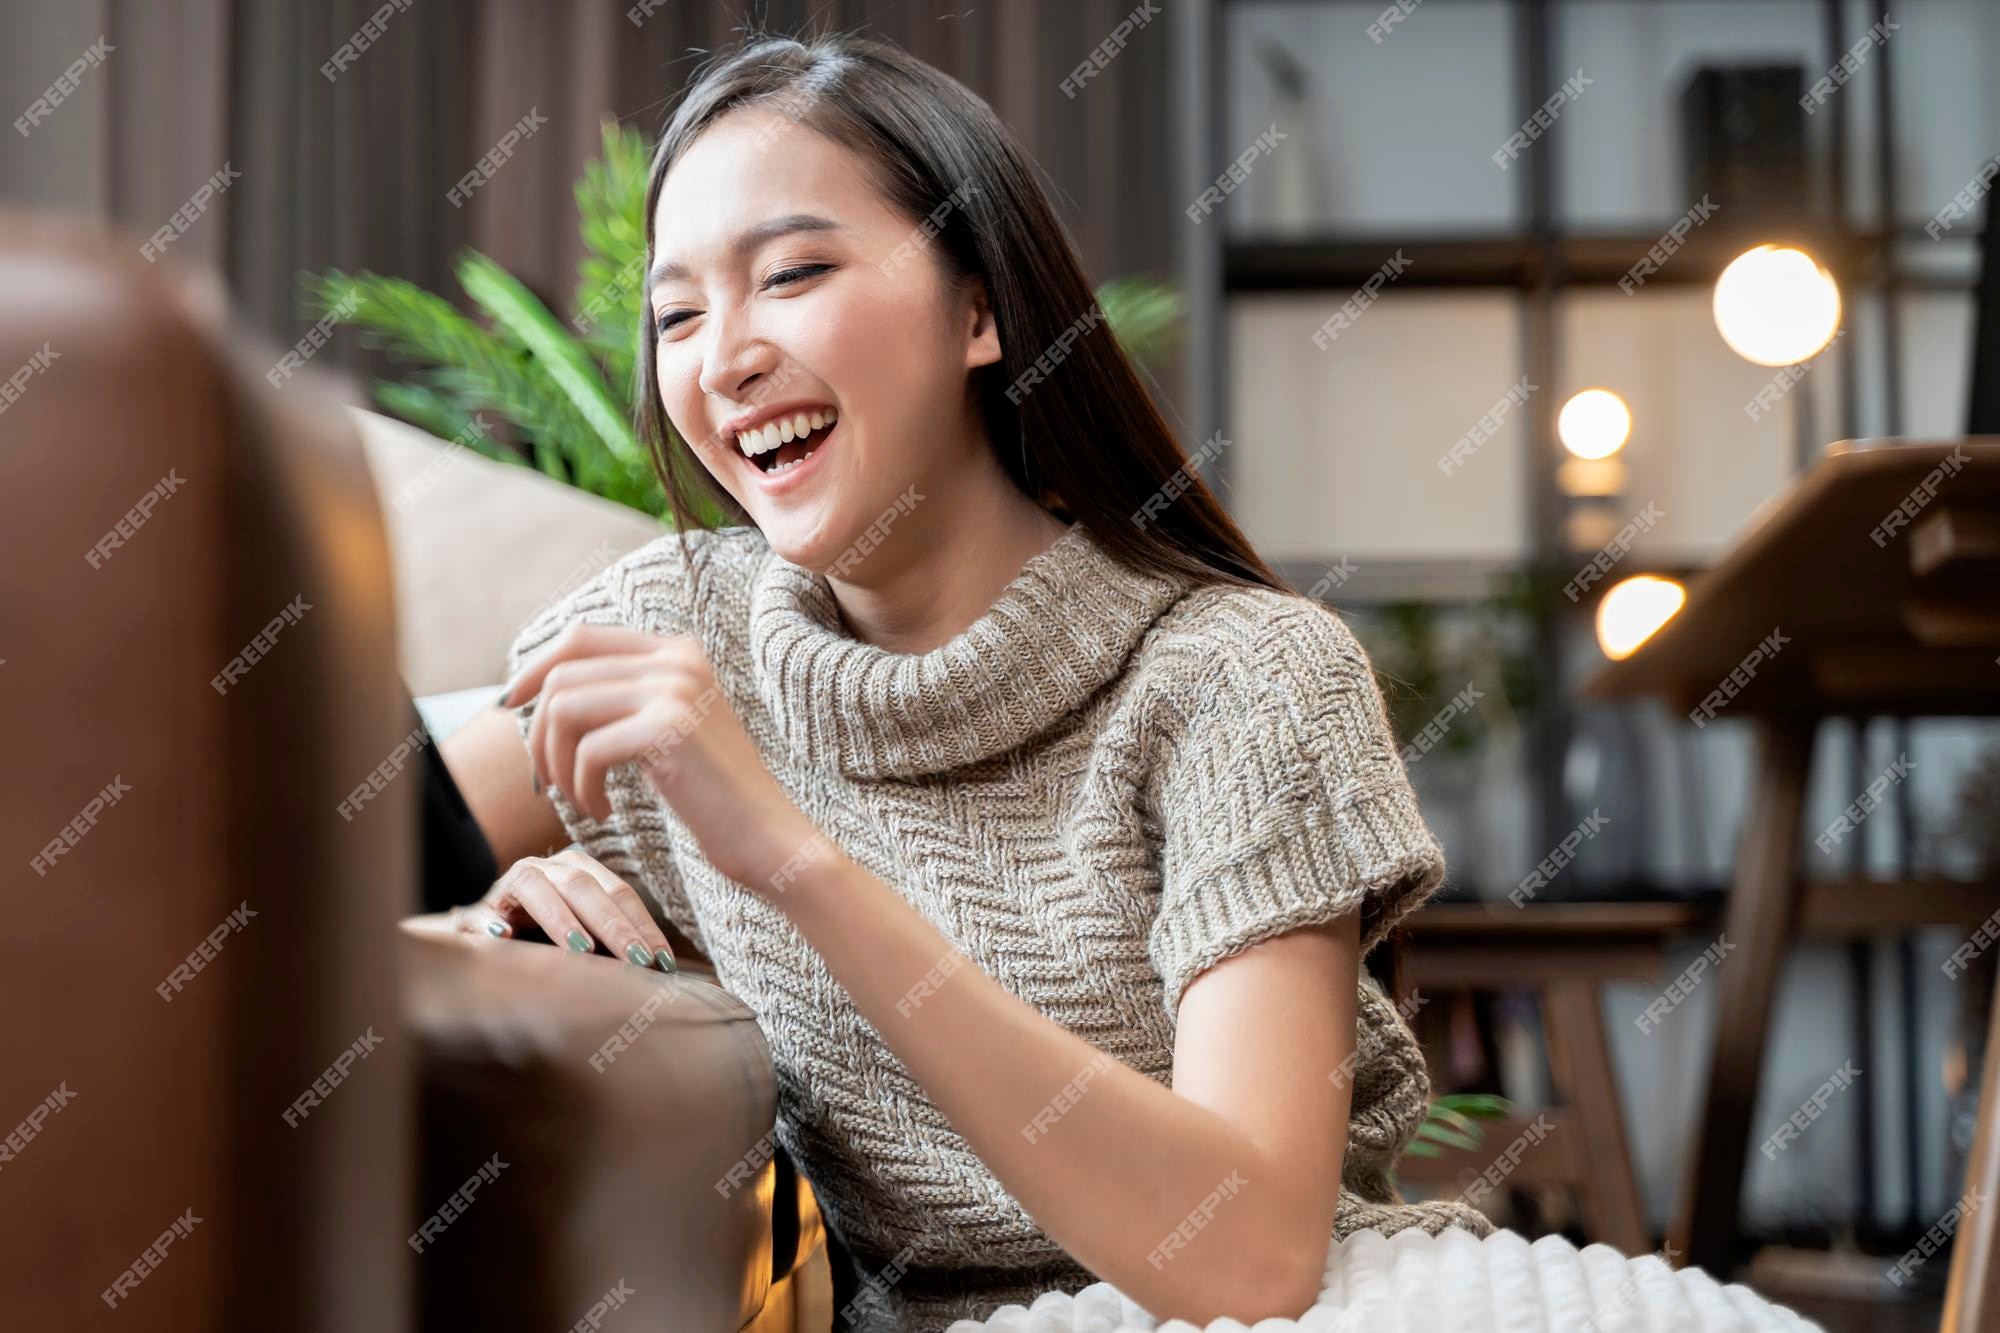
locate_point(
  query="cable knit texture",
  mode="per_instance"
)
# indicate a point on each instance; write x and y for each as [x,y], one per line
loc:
[1107,783]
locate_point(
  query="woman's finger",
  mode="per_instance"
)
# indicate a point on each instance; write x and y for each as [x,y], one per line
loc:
[480,919]
[601,917]
[580,639]
[567,675]
[626,899]
[635,736]
[528,888]
[574,713]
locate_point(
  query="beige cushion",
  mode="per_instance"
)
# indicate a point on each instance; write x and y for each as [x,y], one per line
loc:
[479,547]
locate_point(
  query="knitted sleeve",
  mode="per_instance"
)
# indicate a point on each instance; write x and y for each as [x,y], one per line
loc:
[649,590]
[1283,801]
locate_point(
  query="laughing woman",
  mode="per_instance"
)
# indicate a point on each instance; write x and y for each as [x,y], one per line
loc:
[1042,826]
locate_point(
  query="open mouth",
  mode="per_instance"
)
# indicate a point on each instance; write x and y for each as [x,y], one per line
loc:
[775,462]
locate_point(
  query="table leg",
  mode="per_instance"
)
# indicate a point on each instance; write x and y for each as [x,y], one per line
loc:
[1581,1057]
[1972,1296]
[1763,906]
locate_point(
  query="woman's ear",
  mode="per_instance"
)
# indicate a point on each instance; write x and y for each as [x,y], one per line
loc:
[982,346]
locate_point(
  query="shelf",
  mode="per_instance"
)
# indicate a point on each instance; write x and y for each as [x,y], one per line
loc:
[1519,261]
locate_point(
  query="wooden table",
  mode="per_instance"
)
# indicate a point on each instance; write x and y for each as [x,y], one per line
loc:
[1870,586]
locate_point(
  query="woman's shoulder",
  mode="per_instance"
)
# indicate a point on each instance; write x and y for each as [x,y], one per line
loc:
[1218,633]
[669,585]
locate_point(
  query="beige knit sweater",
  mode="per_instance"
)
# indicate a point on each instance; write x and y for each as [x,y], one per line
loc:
[1106,784]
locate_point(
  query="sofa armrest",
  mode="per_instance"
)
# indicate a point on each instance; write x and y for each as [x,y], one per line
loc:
[622,1119]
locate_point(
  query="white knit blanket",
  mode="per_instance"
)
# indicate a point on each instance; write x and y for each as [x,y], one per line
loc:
[1414,1282]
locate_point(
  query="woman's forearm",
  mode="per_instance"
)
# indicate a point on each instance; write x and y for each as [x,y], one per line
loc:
[1157,1194]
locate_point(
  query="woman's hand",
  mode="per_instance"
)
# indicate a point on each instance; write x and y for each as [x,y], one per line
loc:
[612,696]
[577,902]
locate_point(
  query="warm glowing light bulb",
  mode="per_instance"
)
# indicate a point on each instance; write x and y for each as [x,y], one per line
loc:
[1633,611]
[1776,306]
[1594,424]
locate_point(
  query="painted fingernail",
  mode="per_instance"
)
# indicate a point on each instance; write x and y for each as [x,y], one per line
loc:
[637,953]
[579,941]
[495,929]
[666,961]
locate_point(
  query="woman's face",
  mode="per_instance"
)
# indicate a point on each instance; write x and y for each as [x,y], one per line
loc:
[784,284]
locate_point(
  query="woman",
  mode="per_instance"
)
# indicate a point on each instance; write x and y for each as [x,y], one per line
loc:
[1043,827]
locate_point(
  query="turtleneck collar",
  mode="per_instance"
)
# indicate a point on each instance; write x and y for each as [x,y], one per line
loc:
[1062,629]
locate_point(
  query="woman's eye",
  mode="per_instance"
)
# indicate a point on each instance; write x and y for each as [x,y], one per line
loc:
[786,277]
[668,321]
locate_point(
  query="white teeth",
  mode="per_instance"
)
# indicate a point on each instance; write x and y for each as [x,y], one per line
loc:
[771,434]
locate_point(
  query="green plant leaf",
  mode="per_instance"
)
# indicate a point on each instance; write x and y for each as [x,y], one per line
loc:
[512,307]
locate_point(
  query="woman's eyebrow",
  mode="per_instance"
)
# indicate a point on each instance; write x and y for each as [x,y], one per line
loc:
[748,240]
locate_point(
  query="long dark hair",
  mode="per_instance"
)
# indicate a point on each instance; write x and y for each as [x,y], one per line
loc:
[1086,441]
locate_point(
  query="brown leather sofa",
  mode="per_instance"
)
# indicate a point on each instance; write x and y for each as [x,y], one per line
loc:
[236,1095]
